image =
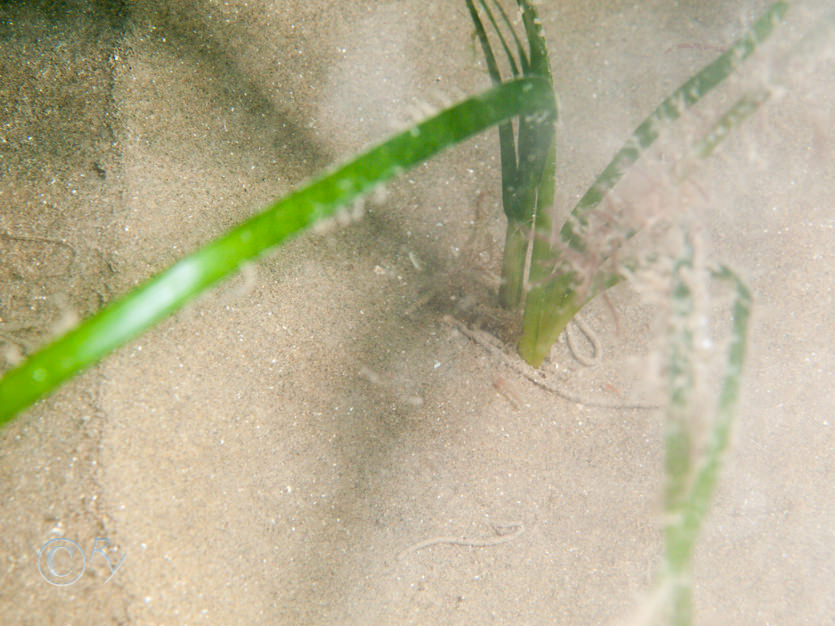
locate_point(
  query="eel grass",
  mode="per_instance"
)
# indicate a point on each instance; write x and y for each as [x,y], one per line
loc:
[538,279]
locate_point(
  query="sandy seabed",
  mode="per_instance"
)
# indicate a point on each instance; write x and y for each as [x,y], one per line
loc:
[330,437]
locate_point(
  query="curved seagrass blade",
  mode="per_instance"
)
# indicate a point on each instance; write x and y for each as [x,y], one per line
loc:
[166,292]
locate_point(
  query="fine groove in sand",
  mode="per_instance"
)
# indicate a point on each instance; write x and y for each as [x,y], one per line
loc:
[467,542]
[492,345]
